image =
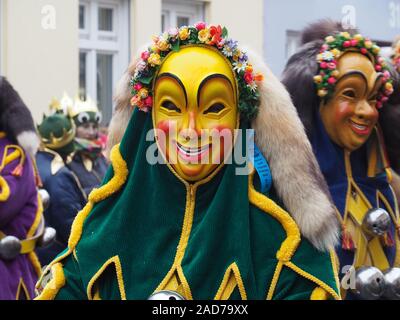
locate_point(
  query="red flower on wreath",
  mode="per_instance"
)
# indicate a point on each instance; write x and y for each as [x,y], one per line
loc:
[216,35]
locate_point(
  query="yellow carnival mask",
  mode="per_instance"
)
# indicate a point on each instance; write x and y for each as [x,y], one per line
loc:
[195,110]
[350,115]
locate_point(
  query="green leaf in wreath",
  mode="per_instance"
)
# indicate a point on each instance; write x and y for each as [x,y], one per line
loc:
[175,46]
[146,80]
[224,32]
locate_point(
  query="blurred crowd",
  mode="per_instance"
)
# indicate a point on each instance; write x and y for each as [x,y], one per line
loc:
[42,191]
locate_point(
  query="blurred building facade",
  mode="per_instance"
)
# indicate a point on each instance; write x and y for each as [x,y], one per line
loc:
[82,47]
[284,19]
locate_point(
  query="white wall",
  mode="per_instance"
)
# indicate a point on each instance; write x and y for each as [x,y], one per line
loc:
[243,19]
[145,22]
[40,63]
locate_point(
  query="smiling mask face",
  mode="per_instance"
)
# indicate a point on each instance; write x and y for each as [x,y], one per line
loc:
[351,114]
[195,111]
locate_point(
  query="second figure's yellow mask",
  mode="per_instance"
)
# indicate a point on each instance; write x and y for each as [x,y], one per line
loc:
[351,114]
[195,105]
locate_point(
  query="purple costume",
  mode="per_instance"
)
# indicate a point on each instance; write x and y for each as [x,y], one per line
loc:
[19,215]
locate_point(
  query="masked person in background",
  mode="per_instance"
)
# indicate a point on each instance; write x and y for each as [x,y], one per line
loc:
[21,220]
[87,161]
[391,121]
[67,197]
[178,228]
[341,86]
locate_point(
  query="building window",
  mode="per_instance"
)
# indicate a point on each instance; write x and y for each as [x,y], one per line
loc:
[293,42]
[106,18]
[103,50]
[178,13]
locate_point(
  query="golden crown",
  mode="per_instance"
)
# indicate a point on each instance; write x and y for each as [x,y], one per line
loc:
[59,142]
[71,107]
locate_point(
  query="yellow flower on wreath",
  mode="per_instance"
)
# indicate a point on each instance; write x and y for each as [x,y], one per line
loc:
[183,33]
[204,35]
[154,59]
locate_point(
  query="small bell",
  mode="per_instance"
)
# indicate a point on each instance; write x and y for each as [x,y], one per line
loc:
[166,295]
[370,283]
[376,222]
[392,280]
[49,235]
[44,195]
[10,248]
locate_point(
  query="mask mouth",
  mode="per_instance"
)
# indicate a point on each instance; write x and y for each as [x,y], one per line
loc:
[192,155]
[360,128]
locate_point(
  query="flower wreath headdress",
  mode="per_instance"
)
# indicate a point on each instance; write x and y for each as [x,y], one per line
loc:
[396,56]
[333,49]
[200,33]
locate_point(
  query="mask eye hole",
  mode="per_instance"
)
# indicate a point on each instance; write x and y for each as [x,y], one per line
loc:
[98,117]
[215,108]
[349,93]
[83,117]
[170,106]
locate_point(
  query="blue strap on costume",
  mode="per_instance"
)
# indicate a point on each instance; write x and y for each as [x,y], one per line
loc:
[263,170]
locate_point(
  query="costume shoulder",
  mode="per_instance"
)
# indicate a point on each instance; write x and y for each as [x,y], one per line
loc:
[301,271]
[49,163]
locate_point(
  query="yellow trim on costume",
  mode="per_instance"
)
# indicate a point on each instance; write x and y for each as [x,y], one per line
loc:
[38,217]
[290,244]
[22,286]
[120,279]
[117,181]
[11,157]
[312,278]
[274,281]
[5,190]
[185,234]
[35,263]
[55,284]
[17,153]
[96,295]
[292,241]
[232,279]
[336,267]
[393,213]
[319,294]
[389,175]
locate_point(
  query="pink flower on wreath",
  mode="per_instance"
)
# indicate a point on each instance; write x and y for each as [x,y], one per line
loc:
[173,32]
[386,75]
[200,25]
[332,65]
[331,80]
[138,86]
[347,44]
[364,51]
[145,55]
[323,65]
[148,102]
[325,47]
[354,42]
[384,99]
[378,68]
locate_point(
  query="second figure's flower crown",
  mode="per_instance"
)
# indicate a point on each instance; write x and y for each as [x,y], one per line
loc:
[333,49]
[201,34]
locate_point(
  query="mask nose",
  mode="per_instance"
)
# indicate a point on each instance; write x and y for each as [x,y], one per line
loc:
[190,132]
[367,112]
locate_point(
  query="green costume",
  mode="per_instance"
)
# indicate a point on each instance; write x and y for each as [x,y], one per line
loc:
[147,229]
[245,247]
